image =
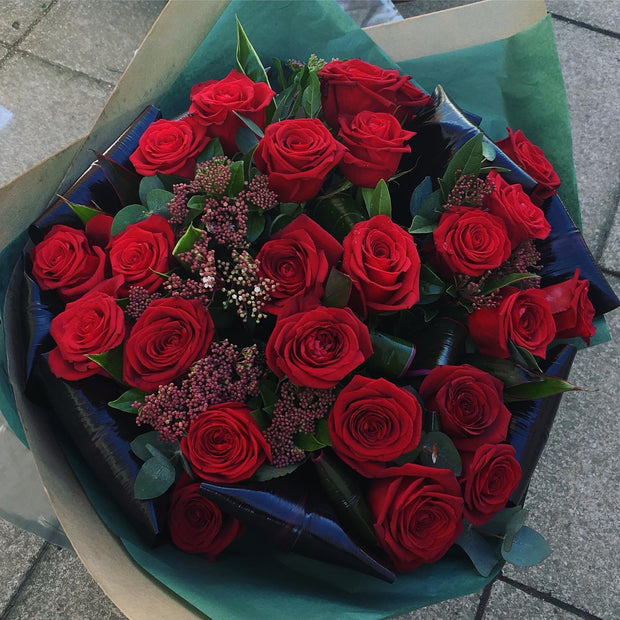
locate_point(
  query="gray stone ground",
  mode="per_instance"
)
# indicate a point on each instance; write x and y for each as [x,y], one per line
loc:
[60,59]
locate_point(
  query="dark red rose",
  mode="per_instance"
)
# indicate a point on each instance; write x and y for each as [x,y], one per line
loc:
[298,259]
[375,143]
[351,86]
[215,102]
[383,262]
[318,348]
[572,311]
[196,524]
[490,475]
[140,251]
[297,154]
[470,241]
[470,405]
[531,158]
[65,262]
[523,219]
[98,228]
[93,324]
[522,316]
[170,147]
[374,422]
[417,518]
[170,335]
[224,444]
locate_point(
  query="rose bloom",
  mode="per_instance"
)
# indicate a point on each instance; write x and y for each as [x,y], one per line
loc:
[470,241]
[319,347]
[490,475]
[91,325]
[523,316]
[374,422]
[572,310]
[470,405]
[523,219]
[416,518]
[141,250]
[382,260]
[298,259]
[531,158]
[375,143]
[170,335]
[297,154]
[65,262]
[224,444]
[215,102]
[170,147]
[351,86]
[196,524]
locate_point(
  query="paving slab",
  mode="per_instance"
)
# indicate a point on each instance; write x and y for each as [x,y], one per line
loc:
[508,603]
[599,13]
[3,51]
[610,258]
[44,108]
[574,497]
[421,7]
[592,74]
[18,549]
[16,16]
[94,37]
[463,608]
[60,588]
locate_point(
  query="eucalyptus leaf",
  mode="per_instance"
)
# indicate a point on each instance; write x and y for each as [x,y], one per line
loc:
[157,201]
[155,477]
[131,214]
[126,399]
[498,523]
[480,552]
[438,450]
[431,207]
[140,446]
[248,61]
[528,548]
[269,472]
[111,361]
[147,184]
[337,289]
[512,528]
[489,151]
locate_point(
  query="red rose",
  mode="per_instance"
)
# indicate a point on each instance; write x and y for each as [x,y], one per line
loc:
[383,262]
[531,158]
[572,311]
[417,519]
[523,219]
[297,154]
[196,524]
[490,475]
[224,444]
[318,348]
[98,229]
[374,422]
[350,86]
[470,241]
[375,143]
[93,324]
[141,250]
[170,147]
[170,335]
[470,405]
[522,316]
[64,261]
[215,102]
[298,259]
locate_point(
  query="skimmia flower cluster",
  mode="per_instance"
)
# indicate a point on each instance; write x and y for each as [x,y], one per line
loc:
[278,301]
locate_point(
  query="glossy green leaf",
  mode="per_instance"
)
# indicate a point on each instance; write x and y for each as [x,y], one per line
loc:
[311,97]
[146,185]
[248,61]
[269,472]
[377,199]
[480,552]
[431,286]
[155,477]
[255,225]
[196,207]
[338,214]
[421,226]
[237,179]
[82,211]
[246,140]
[308,442]
[547,386]
[508,280]
[528,548]
[250,124]
[523,357]
[111,361]
[157,201]
[132,214]
[419,195]
[337,289]
[213,149]
[151,438]
[260,417]
[321,432]
[438,450]
[186,242]
[279,222]
[466,161]
[290,208]
[126,399]
[391,356]
[430,209]
[126,183]
[277,63]
[268,389]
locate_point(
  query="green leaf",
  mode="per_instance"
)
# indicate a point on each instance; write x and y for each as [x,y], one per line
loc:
[513,527]
[488,150]
[337,289]
[321,432]
[111,361]
[126,399]
[391,355]
[268,389]
[186,242]
[290,208]
[279,222]
[511,278]
[248,61]
[196,206]
[308,442]
[523,357]
[260,417]
[468,159]
[528,548]
[420,195]
[269,472]
[431,207]
[131,214]
[126,183]
[250,124]
[155,477]
[412,456]
[377,199]
[147,184]
[498,523]
[213,149]
[421,226]
[255,225]
[277,63]
[246,140]
[237,179]
[284,103]
[139,446]
[311,97]
[480,552]
[547,386]
[82,211]
[338,214]
[487,169]
[157,201]
[439,451]
[431,286]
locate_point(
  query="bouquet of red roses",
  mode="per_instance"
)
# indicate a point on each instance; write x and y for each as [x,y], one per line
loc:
[323,308]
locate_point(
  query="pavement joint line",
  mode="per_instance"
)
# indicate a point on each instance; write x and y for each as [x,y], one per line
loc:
[548,598]
[606,233]
[610,272]
[576,22]
[484,599]
[20,586]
